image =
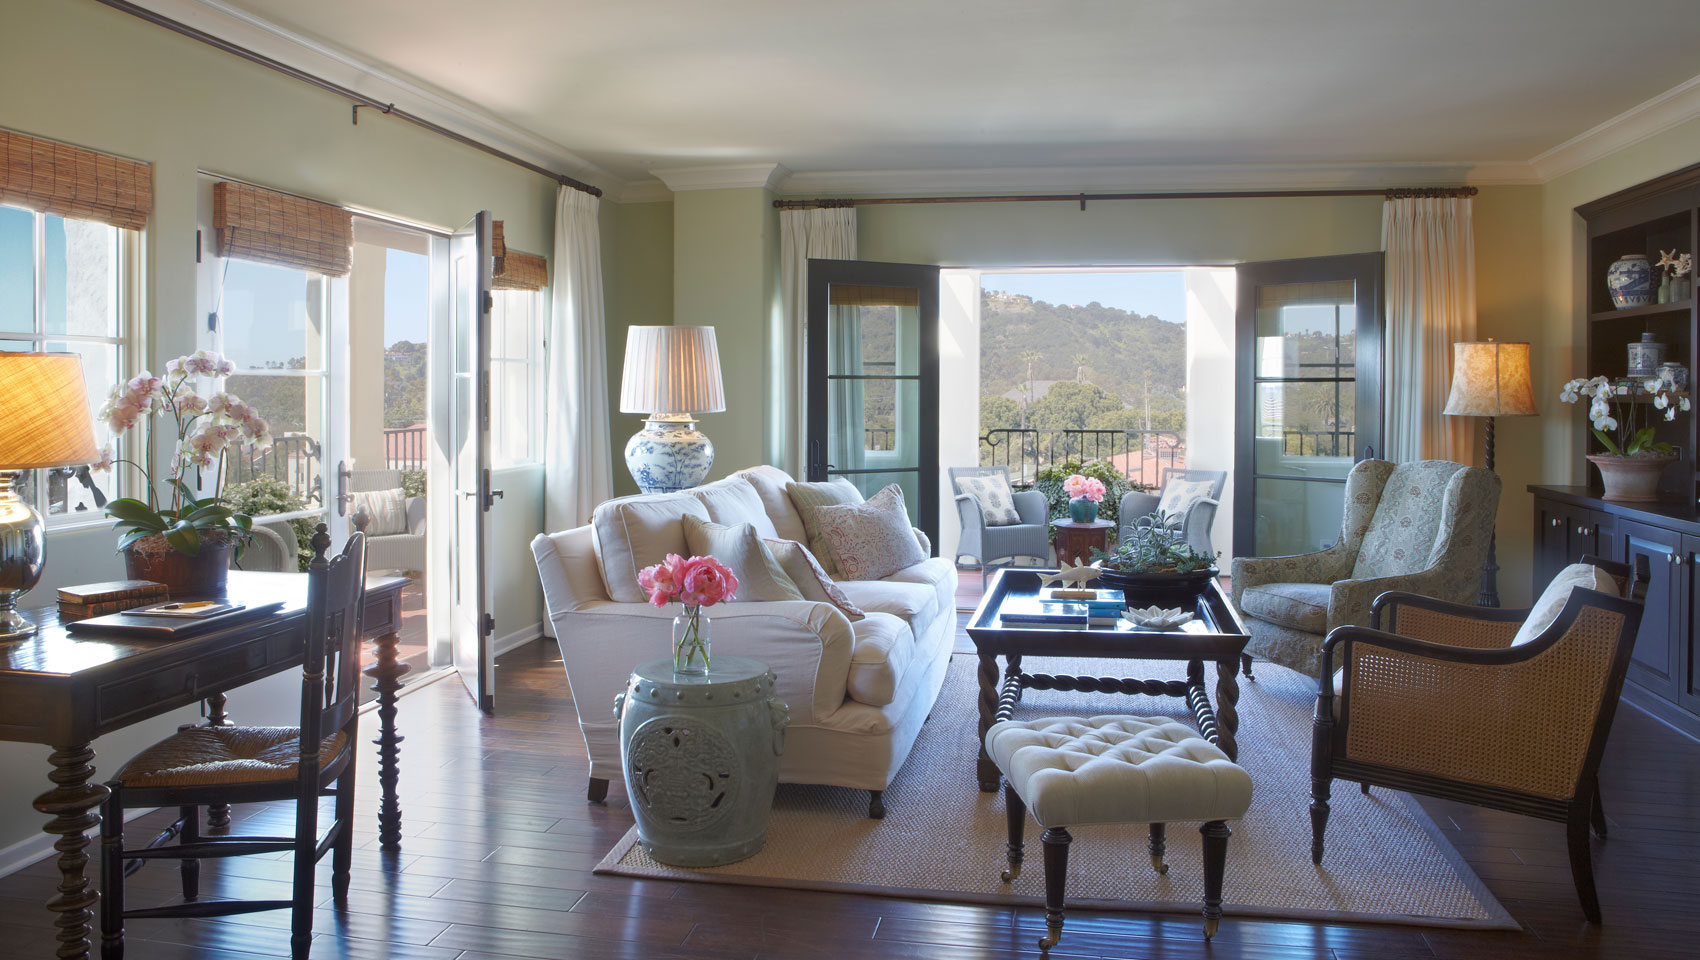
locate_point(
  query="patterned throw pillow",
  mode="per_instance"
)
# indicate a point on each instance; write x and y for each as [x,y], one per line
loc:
[387,508]
[805,572]
[741,548]
[996,499]
[871,540]
[1179,496]
[806,497]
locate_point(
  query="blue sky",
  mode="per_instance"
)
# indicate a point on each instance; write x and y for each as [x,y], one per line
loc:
[1157,293]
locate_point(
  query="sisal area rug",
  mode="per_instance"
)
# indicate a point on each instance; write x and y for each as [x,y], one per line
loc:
[942,839]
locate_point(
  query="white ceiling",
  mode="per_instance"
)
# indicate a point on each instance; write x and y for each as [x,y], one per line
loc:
[874,85]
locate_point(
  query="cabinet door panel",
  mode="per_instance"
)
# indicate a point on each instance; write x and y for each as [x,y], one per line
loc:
[1654,662]
[1688,692]
[1552,542]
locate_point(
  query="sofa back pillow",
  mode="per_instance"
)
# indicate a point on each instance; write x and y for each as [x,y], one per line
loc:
[808,577]
[769,483]
[732,501]
[743,551]
[634,532]
[810,497]
[387,510]
[872,540]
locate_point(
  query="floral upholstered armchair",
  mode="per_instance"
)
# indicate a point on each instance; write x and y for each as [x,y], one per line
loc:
[1422,527]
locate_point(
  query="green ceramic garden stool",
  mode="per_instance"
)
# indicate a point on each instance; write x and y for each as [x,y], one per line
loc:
[701,757]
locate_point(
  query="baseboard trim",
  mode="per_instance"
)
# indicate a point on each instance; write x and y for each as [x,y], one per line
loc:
[35,849]
[519,637]
[1661,709]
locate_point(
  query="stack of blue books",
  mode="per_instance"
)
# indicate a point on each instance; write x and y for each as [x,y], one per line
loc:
[1099,603]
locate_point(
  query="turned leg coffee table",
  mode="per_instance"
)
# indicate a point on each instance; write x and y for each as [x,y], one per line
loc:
[1215,634]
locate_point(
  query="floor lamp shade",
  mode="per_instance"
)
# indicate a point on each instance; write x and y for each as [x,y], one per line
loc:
[670,373]
[44,422]
[1490,379]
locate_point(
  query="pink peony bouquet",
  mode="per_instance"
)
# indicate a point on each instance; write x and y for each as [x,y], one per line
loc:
[696,582]
[1078,485]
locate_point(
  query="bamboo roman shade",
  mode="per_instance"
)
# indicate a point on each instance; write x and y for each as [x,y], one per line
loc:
[74,182]
[254,223]
[515,270]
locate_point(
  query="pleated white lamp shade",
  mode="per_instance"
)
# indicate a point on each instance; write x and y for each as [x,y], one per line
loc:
[671,370]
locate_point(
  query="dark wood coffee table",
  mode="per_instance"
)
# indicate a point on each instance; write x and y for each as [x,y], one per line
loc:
[1215,634]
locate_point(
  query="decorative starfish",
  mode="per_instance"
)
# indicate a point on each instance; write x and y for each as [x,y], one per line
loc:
[1078,573]
[1668,258]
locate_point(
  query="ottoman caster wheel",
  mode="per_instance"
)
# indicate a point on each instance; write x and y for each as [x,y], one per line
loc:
[1053,933]
[1158,865]
[1210,925]
[1010,873]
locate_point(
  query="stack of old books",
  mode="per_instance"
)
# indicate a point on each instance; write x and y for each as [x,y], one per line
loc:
[113,596]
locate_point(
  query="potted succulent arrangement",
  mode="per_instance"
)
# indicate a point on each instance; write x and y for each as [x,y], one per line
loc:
[1634,461]
[696,582]
[176,537]
[1154,564]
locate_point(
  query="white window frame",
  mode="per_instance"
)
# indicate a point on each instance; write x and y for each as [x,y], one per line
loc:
[126,295]
[537,302]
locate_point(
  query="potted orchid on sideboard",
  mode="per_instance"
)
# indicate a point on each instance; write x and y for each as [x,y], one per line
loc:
[175,536]
[1634,460]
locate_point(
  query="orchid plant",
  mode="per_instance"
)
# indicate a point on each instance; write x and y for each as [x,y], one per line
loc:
[1627,438]
[209,431]
[696,582]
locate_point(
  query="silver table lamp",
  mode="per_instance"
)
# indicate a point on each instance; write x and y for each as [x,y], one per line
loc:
[44,422]
[670,373]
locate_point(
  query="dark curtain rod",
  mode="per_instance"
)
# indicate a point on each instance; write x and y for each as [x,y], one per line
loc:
[360,99]
[1386,193]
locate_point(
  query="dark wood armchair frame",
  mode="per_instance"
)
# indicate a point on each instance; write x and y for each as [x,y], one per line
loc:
[335,590]
[1329,760]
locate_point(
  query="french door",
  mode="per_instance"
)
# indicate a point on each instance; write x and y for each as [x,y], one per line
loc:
[872,361]
[466,377]
[1309,375]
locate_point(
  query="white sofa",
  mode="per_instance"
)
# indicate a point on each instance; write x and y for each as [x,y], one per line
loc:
[858,692]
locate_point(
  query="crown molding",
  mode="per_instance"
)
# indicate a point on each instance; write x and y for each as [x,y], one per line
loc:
[1648,118]
[726,176]
[1148,177]
[643,191]
[433,103]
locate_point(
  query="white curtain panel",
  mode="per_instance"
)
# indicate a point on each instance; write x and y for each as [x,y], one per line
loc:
[803,235]
[577,454]
[1431,304]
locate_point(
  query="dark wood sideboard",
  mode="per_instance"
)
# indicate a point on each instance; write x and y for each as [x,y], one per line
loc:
[1664,676]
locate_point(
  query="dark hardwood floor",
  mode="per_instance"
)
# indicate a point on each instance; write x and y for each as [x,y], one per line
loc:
[499,845]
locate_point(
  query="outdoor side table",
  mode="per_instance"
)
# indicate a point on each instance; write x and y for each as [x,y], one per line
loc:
[701,758]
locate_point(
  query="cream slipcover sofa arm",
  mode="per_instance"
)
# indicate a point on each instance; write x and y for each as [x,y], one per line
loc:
[806,644]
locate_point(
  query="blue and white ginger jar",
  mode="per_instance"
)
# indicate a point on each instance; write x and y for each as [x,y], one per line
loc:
[1630,280]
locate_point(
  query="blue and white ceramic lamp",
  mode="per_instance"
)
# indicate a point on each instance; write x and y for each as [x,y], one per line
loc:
[670,374]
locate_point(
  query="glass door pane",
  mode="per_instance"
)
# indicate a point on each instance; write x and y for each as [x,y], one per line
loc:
[1310,396]
[873,379]
[469,455]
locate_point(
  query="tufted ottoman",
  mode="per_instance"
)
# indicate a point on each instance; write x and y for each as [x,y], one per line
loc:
[1074,772]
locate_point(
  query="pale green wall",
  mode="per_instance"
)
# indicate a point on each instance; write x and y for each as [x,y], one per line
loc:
[640,293]
[126,87]
[725,265]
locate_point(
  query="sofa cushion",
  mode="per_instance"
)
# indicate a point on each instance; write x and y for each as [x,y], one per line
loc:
[883,650]
[935,572]
[1300,606]
[870,540]
[387,510]
[1551,604]
[633,532]
[915,603]
[807,497]
[769,483]
[733,501]
[805,573]
[741,549]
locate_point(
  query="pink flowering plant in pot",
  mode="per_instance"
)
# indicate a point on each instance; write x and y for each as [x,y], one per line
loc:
[695,582]
[173,522]
[1084,495]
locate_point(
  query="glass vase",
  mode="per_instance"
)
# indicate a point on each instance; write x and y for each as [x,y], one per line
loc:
[690,643]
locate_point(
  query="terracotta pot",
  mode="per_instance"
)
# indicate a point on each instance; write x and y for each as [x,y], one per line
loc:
[202,575]
[1632,479]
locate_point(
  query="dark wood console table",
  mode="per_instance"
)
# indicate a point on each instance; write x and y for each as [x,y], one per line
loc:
[64,690]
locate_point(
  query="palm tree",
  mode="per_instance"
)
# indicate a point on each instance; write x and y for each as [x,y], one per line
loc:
[1080,368]
[1028,357]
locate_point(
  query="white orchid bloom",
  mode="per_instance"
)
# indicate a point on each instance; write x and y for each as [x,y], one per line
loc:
[1682,402]
[1661,400]
[1605,423]
[1670,414]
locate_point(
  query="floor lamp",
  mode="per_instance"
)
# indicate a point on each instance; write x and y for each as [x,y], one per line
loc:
[1490,379]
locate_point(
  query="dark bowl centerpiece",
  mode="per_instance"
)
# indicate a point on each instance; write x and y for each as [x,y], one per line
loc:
[1153,564]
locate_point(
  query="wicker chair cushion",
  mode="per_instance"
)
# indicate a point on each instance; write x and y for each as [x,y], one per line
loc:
[1301,606]
[996,499]
[201,756]
[1553,598]
[1117,769]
